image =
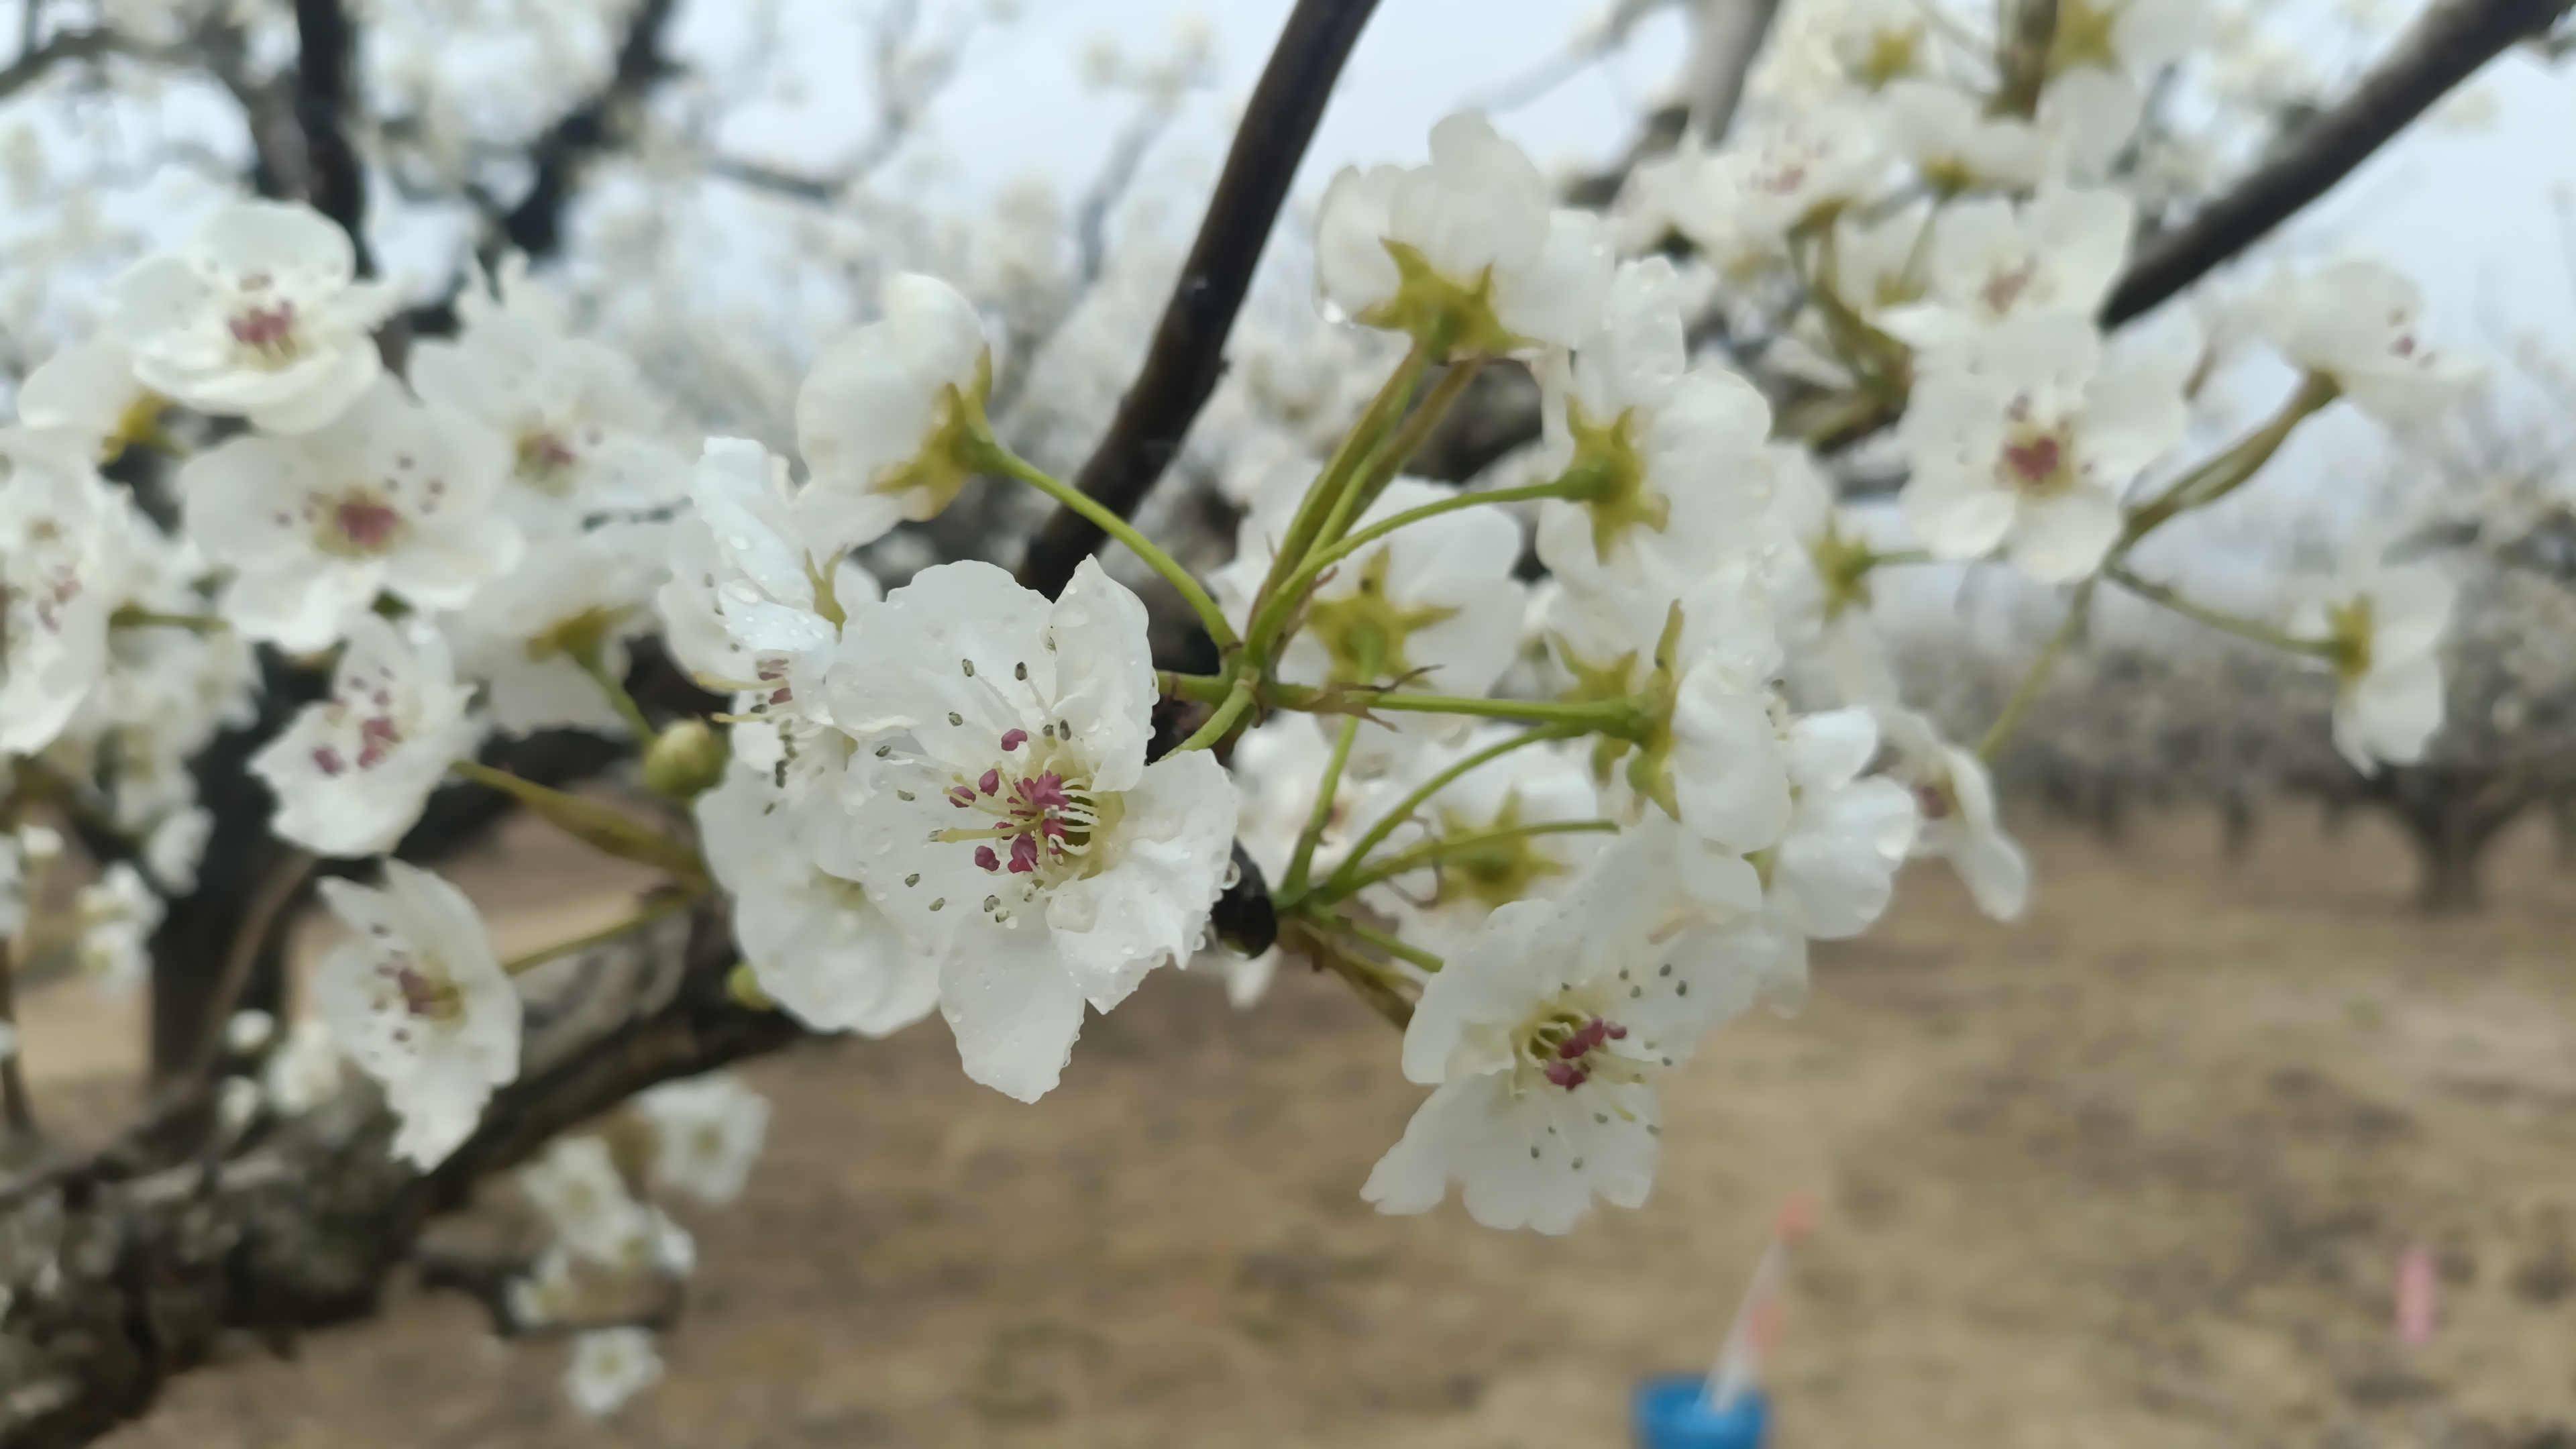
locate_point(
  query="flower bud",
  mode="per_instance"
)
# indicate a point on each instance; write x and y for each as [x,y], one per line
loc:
[685,760]
[743,985]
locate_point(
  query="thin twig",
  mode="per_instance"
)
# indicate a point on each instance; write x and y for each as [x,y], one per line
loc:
[284,886]
[535,225]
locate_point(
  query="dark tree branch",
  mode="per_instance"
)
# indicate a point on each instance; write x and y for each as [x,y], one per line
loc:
[335,181]
[1188,352]
[2449,43]
[160,1255]
[2444,47]
[36,61]
[535,225]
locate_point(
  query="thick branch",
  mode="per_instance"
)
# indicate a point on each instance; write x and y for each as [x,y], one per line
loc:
[1731,33]
[335,181]
[1189,343]
[162,1257]
[2446,45]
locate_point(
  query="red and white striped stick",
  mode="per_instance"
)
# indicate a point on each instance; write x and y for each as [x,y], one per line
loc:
[1757,1318]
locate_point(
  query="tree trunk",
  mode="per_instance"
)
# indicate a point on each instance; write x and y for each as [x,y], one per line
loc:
[2236,822]
[2452,837]
[2447,881]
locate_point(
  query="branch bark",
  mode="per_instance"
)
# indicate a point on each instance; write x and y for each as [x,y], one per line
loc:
[158,1254]
[1188,353]
[325,106]
[2446,45]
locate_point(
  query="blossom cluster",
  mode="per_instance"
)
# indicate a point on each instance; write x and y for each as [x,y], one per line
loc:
[1560,771]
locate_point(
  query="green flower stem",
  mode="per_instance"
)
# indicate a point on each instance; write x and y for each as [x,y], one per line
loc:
[1238,700]
[1322,815]
[1322,559]
[135,617]
[613,689]
[1384,989]
[2027,692]
[1613,716]
[1341,882]
[989,455]
[2224,622]
[1622,717]
[2228,471]
[664,904]
[2199,488]
[1432,851]
[1383,941]
[609,831]
[1347,460]
[1199,688]
[1385,462]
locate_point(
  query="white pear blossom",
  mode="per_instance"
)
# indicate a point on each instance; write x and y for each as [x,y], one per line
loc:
[1819,585]
[1836,44]
[610,1366]
[707,1133]
[2101,56]
[2362,325]
[1956,797]
[304,1070]
[417,1000]
[353,771]
[582,426]
[532,636]
[744,604]
[60,550]
[1533,785]
[818,943]
[578,1189]
[1954,143]
[1673,458]
[259,316]
[887,416]
[176,846]
[2382,630]
[1706,663]
[89,388]
[117,914]
[1991,260]
[1545,1036]
[1834,870]
[1003,813]
[391,496]
[1469,254]
[2027,439]
[1781,173]
[1434,602]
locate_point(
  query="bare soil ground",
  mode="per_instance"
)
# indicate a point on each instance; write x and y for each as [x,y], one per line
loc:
[2138,1172]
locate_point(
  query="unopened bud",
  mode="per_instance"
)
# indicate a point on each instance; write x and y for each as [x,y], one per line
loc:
[686,760]
[743,985]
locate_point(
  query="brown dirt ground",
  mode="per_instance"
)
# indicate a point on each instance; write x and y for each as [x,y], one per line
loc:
[2135,1173]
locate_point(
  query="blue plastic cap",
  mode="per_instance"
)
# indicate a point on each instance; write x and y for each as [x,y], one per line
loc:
[1672,1412]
